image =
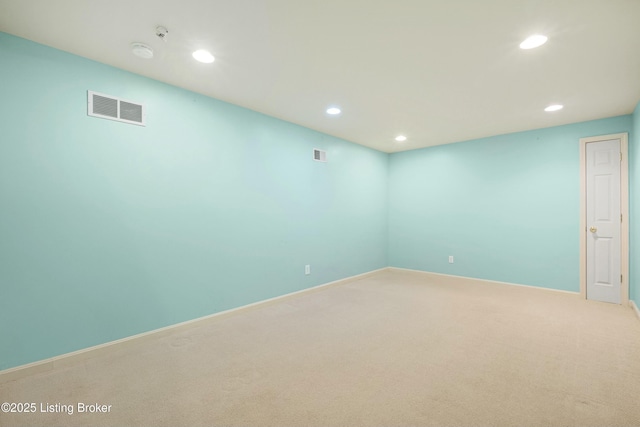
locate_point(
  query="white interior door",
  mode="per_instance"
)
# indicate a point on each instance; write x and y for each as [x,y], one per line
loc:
[603,220]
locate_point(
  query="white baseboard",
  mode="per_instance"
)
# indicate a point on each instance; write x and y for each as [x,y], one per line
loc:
[635,308]
[468,280]
[67,359]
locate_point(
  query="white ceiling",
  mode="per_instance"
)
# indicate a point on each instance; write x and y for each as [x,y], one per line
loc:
[438,71]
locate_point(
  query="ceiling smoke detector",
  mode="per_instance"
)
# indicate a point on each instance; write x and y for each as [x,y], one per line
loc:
[162,33]
[142,50]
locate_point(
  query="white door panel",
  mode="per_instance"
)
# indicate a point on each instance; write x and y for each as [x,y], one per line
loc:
[603,220]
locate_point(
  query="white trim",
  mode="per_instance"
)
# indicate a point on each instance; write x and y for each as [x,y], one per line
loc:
[624,210]
[468,280]
[635,307]
[67,359]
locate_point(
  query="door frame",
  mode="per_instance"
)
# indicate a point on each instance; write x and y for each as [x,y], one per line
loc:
[624,209]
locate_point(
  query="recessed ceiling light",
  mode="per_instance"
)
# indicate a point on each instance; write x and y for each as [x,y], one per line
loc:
[203,56]
[401,138]
[333,111]
[554,107]
[142,50]
[533,41]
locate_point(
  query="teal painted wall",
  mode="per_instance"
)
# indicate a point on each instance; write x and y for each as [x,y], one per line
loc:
[108,230]
[506,207]
[634,202]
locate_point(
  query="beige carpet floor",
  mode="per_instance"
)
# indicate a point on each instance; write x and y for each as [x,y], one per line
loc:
[394,349]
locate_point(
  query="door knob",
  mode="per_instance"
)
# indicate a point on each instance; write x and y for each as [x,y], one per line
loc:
[593,229]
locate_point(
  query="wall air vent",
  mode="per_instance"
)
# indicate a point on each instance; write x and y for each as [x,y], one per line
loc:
[319,155]
[112,108]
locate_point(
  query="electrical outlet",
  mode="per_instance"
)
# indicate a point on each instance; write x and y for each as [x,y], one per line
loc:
[307,269]
[450,259]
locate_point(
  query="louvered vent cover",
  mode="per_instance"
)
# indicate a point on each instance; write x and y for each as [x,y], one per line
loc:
[109,107]
[319,155]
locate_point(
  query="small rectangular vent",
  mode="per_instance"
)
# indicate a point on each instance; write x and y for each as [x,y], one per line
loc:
[112,108]
[105,106]
[130,111]
[319,155]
